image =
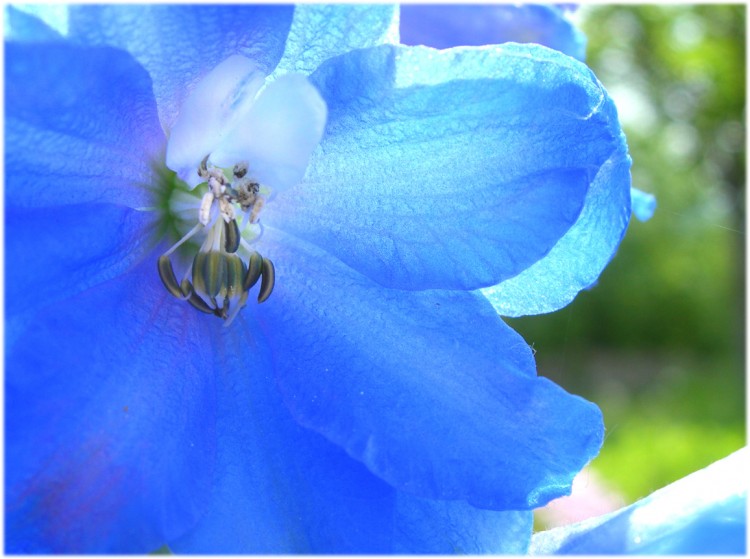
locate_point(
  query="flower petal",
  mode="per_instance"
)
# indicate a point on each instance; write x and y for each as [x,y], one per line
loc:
[179,44]
[447,169]
[25,23]
[54,253]
[431,390]
[579,257]
[280,131]
[221,98]
[109,422]
[643,203]
[285,489]
[322,31]
[81,126]
[444,26]
[704,513]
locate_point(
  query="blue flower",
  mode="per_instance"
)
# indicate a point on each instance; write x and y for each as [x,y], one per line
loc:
[704,513]
[375,402]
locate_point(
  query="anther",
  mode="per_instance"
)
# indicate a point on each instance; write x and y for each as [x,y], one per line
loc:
[268,279]
[194,299]
[166,273]
[254,267]
[203,168]
[240,170]
[212,267]
[231,236]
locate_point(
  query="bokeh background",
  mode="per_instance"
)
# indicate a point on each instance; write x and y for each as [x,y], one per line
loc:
[659,342]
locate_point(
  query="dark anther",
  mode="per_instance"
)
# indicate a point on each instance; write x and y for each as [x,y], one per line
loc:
[254,266]
[268,279]
[203,169]
[166,273]
[231,236]
[240,170]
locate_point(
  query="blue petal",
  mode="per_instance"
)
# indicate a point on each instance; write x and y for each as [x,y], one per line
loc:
[444,26]
[284,489]
[54,253]
[643,203]
[454,527]
[448,169]
[179,44]
[23,26]
[580,256]
[109,422]
[322,31]
[81,126]
[431,390]
[704,513]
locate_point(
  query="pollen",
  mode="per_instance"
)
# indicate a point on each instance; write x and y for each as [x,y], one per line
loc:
[225,267]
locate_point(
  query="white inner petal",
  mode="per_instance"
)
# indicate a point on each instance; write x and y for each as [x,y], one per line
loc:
[278,134]
[224,96]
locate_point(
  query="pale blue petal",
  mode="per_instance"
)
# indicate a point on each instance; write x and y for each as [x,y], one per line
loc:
[430,389]
[643,203]
[24,23]
[284,489]
[109,441]
[702,514]
[82,130]
[444,26]
[221,98]
[278,133]
[322,31]
[179,44]
[450,169]
[580,256]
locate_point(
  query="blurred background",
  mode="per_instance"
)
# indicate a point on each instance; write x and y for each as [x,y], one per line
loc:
[658,344]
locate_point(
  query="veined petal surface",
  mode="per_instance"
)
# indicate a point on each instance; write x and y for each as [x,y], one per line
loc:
[322,31]
[450,169]
[704,513]
[54,253]
[578,259]
[109,427]
[281,488]
[179,44]
[443,26]
[279,132]
[429,389]
[81,126]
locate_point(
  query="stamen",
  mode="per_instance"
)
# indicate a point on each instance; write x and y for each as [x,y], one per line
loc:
[231,236]
[268,280]
[166,273]
[221,280]
[189,234]
[254,268]
[204,214]
[194,299]
[240,304]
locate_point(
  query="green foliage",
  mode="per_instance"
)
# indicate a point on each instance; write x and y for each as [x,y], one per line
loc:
[658,343]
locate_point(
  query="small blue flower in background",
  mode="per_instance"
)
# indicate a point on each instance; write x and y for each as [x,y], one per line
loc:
[375,402]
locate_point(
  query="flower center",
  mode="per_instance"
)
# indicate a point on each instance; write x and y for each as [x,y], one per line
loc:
[219,280]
